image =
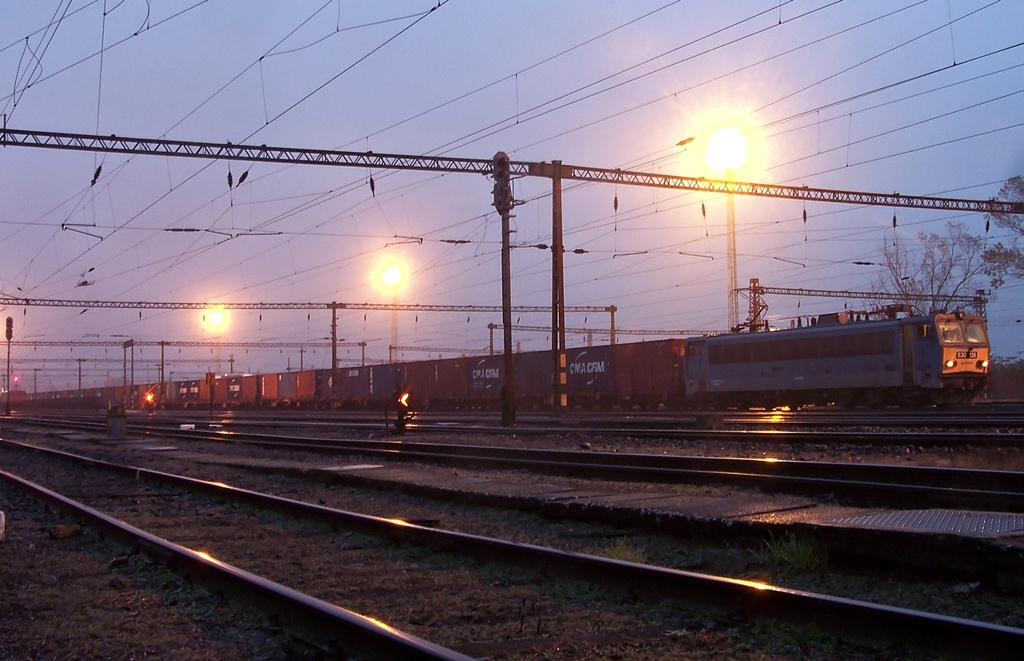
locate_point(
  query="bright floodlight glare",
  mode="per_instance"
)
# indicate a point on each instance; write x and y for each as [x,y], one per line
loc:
[391,276]
[726,150]
[214,319]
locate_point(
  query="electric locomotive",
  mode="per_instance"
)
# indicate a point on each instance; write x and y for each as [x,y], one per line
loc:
[915,361]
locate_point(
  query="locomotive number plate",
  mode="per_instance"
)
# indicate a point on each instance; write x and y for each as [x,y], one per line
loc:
[966,354]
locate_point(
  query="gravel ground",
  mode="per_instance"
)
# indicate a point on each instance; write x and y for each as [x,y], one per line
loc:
[69,595]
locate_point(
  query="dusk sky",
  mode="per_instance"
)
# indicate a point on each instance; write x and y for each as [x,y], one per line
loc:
[920,97]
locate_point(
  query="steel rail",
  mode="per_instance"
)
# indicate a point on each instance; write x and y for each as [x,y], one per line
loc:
[295,609]
[848,618]
[871,483]
[981,413]
[861,426]
[706,425]
[898,485]
[700,426]
[694,431]
[855,483]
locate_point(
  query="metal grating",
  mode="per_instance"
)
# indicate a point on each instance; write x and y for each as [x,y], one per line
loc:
[983,524]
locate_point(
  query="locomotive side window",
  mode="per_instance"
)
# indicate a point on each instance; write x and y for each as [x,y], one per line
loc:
[976,333]
[924,332]
[847,345]
[950,332]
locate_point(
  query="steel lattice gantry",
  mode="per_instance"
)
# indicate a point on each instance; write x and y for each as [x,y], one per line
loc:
[757,292]
[160,305]
[484,166]
[502,170]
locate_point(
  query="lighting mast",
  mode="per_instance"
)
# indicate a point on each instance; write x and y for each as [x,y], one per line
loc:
[726,151]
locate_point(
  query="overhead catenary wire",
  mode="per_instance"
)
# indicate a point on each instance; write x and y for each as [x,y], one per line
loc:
[297,233]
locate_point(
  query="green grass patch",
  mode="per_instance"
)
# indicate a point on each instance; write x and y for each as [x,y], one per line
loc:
[800,554]
[623,549]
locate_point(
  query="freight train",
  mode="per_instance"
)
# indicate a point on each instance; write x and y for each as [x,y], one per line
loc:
[837,360]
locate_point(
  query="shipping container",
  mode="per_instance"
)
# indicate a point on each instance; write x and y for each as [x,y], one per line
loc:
[217,394]
[114,394]
[384,381]
[533,379]
[485,376]
[353,388]
[589,376]
[90,398]
[250,387]
[305,388]
[649,374]
[233,389]
[286,388]
[324,391]
[267,389]
[436,384]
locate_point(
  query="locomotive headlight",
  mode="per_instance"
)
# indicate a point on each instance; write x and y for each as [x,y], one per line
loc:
[950,364]
[982,364]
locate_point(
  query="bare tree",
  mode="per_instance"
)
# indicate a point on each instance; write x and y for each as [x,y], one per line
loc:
[925,274]
[1007,261]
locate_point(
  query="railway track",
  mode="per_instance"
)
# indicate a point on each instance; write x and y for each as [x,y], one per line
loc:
[873,484]
[1008,416]
[973,420]
[848,618]
[307,614]
[865,432]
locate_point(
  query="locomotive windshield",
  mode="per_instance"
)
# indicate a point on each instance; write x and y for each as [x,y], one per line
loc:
[953,331]
[976,332]
[950,332]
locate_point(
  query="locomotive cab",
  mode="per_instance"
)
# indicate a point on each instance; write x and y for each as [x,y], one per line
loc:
[949,356]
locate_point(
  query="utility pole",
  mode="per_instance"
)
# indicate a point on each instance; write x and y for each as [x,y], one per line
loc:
[558,375]
[733,297]
[334,353]
[10,335]
[163,384]
[503,202]
[125,346]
